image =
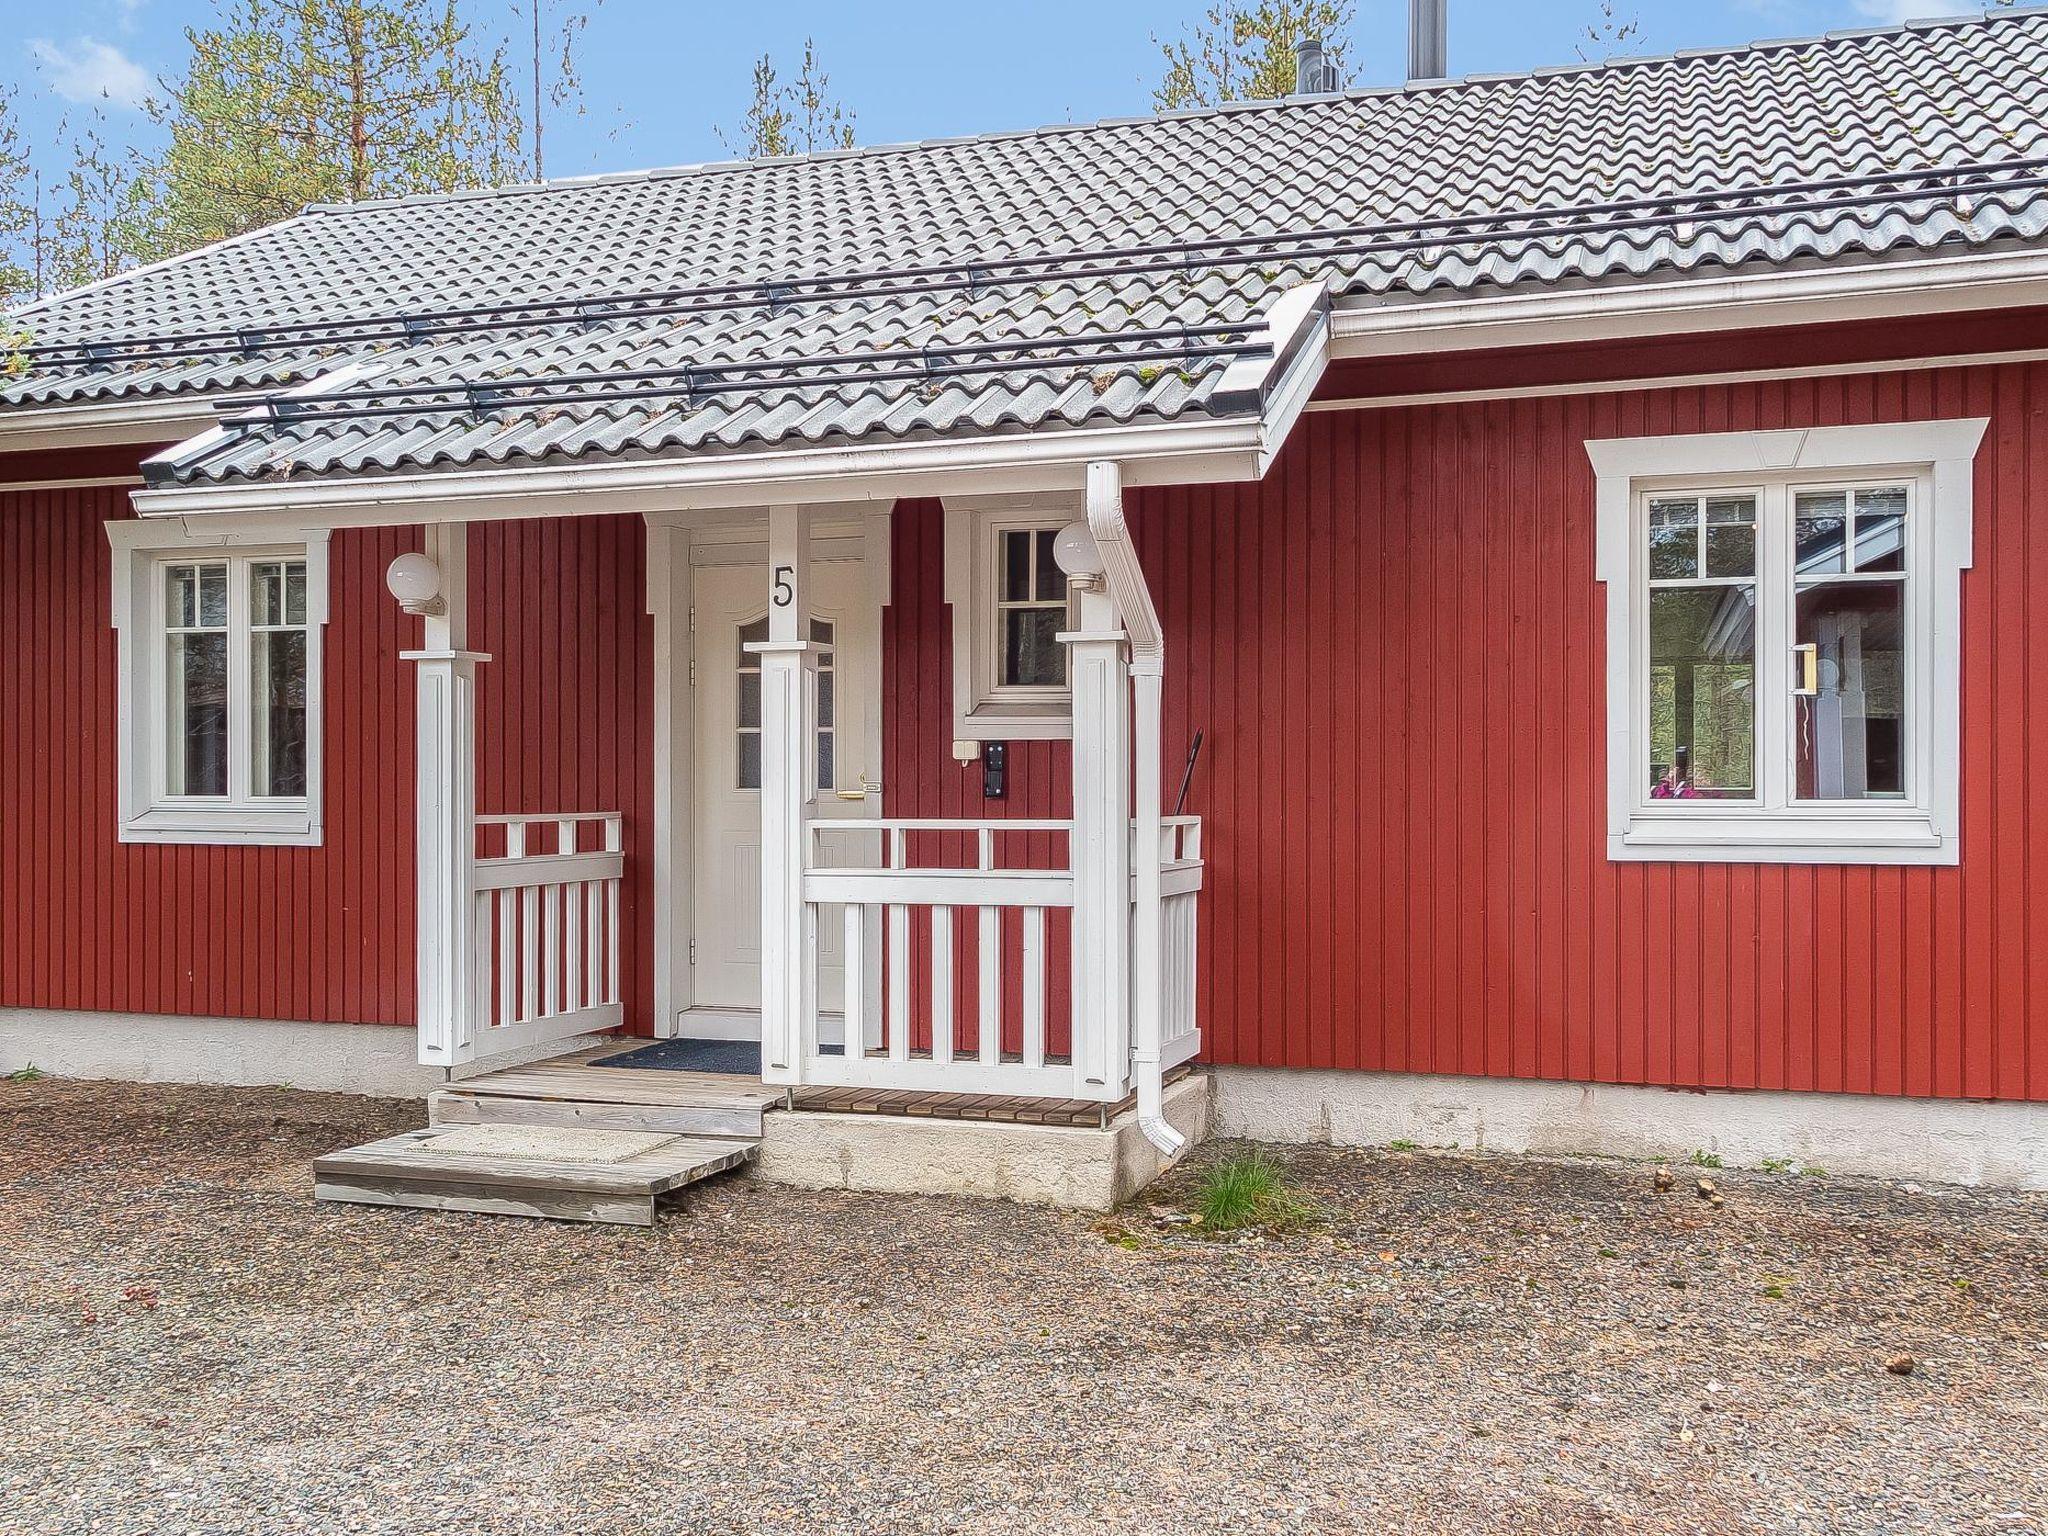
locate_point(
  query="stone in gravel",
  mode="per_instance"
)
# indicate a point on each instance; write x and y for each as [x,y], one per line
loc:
[1705,1188]
[1901,1365]
[1664,1179]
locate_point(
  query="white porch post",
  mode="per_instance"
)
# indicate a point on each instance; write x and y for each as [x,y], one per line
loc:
[1100,674]
[445,811]
[789,1016]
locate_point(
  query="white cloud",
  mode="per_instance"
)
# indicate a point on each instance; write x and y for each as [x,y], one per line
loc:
[92,71]
[128,10]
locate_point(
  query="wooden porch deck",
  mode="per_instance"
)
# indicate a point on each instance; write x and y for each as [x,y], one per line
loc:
[570,1089]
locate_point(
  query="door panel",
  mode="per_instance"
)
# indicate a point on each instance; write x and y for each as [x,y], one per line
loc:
[729,602]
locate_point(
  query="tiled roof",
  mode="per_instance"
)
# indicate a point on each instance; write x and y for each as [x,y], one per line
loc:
[1763,122]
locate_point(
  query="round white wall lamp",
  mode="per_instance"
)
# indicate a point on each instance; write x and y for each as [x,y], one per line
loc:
[416,582]
[1074,551]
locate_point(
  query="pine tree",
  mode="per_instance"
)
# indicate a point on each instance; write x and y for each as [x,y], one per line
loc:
[1241,52]
[290,102]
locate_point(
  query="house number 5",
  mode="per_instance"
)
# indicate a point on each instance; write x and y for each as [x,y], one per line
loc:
[784,594]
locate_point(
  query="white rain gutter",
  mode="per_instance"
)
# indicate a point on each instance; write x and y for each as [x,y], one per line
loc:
[1297,333]
[1125,579]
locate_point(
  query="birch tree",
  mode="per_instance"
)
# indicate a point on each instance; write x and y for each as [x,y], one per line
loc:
[800,118]
[1245,51]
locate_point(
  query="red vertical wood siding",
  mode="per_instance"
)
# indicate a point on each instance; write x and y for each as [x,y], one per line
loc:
[320,933]
[1395,648]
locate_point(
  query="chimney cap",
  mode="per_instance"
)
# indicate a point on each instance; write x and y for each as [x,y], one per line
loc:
[1314,74]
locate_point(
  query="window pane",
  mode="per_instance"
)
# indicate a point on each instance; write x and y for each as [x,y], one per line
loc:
[181,596]
[1818,521]
[213,596]
[1052,582]
[1731,536]
[825,700]
[277,724]
[821,633]
[755,633]
[747,702]
[825,760]
[1031,656]
[1703,693]
[295,593]
[196,716]
[1849,735]
[1017,567]
[747,774]
[1674,539]
[1881,529]
[266,593]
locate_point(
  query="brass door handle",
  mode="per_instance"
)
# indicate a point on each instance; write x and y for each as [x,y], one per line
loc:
[867,787]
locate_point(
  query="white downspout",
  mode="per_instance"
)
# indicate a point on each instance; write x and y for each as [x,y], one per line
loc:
[1125,579]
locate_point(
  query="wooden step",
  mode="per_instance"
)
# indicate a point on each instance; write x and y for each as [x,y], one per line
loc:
[401,1170]
[570,1091]
[458,1106]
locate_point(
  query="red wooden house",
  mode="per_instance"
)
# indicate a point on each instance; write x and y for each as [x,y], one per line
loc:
[1594,522]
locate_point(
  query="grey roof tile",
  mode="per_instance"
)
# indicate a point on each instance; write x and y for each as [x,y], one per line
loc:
[1774,115]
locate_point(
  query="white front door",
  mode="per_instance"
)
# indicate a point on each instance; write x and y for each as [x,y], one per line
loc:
[731,607]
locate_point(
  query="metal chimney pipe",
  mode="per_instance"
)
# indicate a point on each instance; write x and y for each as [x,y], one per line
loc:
[1428,41]
[1313,73]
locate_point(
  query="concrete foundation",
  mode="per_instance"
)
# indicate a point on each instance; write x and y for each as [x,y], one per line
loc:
[1087,1170]
[1943,1140]
[377,1059]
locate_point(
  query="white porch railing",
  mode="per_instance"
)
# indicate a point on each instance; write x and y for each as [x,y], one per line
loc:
[544,908]
[959,968]
[1180,887]
[948,949]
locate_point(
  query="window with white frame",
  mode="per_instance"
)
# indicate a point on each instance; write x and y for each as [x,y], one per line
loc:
[1783,662]
[1010,604]
[220,687]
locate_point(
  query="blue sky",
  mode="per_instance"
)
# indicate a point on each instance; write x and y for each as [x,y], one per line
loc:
[662,76]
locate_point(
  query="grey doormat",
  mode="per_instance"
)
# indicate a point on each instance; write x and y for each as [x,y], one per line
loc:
[741,1058]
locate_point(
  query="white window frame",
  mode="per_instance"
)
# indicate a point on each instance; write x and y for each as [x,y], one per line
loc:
[984,707]
[148,814]
[1935,460]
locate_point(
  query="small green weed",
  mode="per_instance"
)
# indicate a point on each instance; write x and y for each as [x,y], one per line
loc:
[1250,1191]
[1401,1144]
[1702,1158]
[1813,1171]
[27,1074]
[1777,1165]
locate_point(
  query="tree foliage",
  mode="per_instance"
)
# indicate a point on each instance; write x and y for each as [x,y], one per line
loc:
[800,118]
[17,210]
[1245,51]
[290,102]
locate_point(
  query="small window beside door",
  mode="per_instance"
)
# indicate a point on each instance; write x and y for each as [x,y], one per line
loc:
[1010,605]
[747,704]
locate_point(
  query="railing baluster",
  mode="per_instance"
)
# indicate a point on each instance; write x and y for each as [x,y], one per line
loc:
[990,982]
[897,971]
[1033,979]
[942,985]
[855,982]
[573,895]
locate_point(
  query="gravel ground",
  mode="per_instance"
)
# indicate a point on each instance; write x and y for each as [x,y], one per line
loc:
[1460,1344]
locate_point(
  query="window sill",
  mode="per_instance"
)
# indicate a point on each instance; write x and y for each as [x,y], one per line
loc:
[240,826]
[1907,836]
[1016,720]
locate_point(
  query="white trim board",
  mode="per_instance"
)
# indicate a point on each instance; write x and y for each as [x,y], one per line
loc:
[1954,1141]
[1681,380]
[1398,326]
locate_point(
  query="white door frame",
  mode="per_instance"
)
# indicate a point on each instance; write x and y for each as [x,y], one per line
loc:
[678,542]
